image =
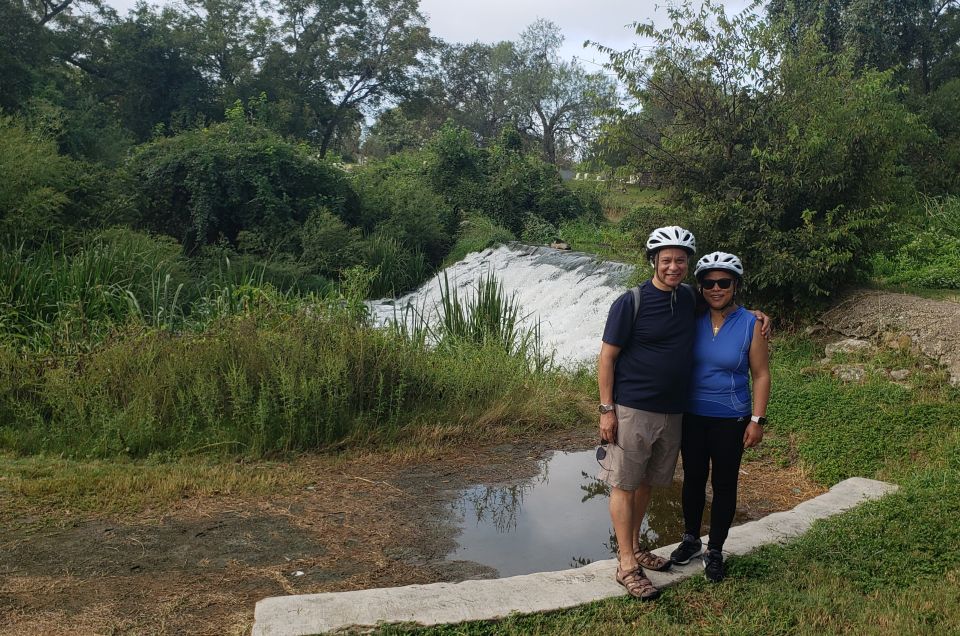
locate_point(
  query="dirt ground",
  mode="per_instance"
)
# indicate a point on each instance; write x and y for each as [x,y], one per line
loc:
[200,566]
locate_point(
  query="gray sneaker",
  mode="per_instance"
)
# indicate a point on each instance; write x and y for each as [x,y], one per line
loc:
[690,546]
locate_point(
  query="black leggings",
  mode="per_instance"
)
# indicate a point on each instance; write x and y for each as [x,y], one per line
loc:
[707,441]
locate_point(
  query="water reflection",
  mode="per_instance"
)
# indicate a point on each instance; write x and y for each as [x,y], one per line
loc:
[555,521]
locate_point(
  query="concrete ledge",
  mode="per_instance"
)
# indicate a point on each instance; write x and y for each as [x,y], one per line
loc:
[439,603]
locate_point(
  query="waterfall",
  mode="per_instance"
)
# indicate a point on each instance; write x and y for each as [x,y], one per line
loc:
[568,292]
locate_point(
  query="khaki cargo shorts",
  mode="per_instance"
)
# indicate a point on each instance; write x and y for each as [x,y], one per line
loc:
[646,449]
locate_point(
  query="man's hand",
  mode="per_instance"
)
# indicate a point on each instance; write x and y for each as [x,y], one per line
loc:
[608,427]
[753,435]
[766,323]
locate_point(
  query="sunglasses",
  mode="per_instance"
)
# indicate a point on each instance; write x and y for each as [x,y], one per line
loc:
[723,283]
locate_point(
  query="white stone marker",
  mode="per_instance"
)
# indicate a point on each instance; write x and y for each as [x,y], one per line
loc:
[439,603]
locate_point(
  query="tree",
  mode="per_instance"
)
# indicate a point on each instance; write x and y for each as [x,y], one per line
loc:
[556,102]
[915,37]
[230,38]
[146,66]
[24,52]
[341,58]
[786,156]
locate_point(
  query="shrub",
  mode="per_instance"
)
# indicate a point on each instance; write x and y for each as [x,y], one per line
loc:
[38,184]
[204,185]
[398,202]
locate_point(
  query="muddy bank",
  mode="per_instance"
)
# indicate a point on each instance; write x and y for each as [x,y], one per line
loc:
[200,566]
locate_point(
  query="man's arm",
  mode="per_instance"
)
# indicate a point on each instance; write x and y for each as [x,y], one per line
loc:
[605,367]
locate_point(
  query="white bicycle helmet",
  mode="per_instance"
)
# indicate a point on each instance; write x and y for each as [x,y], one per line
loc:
[719,260]
[671,236]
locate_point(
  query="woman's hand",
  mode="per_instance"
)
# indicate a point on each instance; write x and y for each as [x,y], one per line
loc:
[608,427]
[753,435]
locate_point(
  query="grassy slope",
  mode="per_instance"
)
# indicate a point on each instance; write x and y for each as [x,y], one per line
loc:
[891,566]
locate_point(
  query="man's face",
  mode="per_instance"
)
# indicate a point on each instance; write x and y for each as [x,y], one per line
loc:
[671,265]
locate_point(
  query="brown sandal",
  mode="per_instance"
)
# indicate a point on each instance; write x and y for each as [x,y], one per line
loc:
[638,585]
[651,561]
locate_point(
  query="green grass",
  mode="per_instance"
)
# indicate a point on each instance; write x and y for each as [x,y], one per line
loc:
[888,567]
[282,376]
[50,489]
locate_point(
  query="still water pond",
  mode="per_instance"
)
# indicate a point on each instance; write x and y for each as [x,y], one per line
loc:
[556,521]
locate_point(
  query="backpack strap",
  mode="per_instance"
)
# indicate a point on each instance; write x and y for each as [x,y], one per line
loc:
[637,299]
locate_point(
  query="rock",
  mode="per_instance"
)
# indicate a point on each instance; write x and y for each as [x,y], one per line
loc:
[850,372]
[898,341]
[850,345]
[815,330]
[900,375]
[560,245]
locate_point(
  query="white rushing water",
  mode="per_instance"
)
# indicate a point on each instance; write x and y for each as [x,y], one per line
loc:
[569,292]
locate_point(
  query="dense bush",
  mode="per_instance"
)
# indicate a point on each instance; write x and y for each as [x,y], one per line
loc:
[398,202]
[211,184]
[44,194]
[501,183]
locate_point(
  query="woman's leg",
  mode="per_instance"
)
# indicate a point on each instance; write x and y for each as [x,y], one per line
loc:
[696,466]
[725,446]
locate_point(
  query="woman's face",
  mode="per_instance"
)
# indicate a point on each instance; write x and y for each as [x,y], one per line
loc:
[713,292]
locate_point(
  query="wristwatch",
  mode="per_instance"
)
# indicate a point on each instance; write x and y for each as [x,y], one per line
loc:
[759,419]
[606,408]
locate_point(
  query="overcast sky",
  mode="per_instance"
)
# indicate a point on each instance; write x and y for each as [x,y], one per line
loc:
[603,21]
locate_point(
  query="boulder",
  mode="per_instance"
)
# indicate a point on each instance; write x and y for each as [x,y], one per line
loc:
[899,375]
[560,245]
[850,345]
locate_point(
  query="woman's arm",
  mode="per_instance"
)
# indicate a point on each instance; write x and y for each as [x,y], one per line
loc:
[605,367]
[760,378]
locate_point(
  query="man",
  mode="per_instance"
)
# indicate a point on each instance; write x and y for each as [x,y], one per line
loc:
[643,375]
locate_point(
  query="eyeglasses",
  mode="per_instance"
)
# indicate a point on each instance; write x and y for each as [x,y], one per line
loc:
[723,283]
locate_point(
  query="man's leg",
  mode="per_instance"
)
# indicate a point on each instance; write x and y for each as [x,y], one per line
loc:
[622,513]
[641,499]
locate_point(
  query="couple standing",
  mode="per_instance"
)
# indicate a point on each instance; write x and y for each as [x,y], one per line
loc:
[675,372]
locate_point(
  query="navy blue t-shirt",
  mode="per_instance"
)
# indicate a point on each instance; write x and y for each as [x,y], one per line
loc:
[653,369]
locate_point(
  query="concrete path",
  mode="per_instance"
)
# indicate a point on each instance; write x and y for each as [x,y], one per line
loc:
[495,598]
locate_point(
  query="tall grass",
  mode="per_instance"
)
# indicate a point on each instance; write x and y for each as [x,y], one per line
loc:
[283,375]
[485,316]
[68,298]
[65,298]
[929,256]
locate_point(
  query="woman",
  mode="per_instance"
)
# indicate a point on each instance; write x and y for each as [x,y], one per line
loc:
[729,352]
